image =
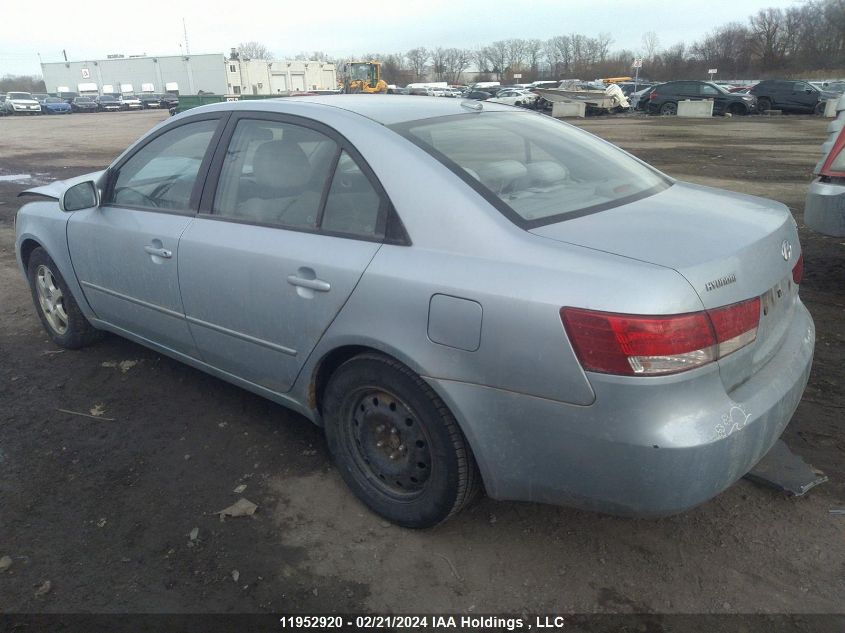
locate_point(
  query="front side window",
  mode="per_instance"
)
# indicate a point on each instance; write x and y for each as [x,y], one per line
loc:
[709,91]
[533,168]
[162,174]
[274,173]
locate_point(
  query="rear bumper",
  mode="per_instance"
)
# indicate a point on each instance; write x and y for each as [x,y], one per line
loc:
[646,447]
[824,211]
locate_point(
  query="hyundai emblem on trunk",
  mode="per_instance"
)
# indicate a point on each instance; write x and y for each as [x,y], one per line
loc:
[786,250]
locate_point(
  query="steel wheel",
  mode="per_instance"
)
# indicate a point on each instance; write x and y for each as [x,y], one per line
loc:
[395,443]
[51,299]
[390,446]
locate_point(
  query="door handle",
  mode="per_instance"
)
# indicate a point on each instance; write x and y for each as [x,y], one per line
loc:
[159,252]
[313,284]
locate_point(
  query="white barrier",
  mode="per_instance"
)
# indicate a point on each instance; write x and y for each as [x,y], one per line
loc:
[697,109]
[562,109]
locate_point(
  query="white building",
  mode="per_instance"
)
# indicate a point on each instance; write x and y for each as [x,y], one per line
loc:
[262,77]
[188,74]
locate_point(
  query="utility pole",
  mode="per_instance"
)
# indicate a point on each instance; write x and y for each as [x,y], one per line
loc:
[185,30]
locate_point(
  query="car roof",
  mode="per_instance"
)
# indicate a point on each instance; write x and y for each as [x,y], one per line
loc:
[384,109]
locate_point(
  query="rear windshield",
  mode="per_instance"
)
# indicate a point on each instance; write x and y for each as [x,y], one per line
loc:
[533,168]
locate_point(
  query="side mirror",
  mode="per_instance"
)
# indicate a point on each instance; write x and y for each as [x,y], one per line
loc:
[80,196]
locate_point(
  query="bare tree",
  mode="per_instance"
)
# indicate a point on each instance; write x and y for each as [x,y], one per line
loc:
[515,55]
[533,55]
[254,50]
[497,55]
[418,62]
[438,63]
[455,62]
[22,83]
[767,40]
[651,43]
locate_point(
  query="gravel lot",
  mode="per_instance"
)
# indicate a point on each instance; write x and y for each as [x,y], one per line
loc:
[103,508]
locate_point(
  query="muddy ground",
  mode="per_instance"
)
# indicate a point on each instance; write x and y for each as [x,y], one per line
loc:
[103,508]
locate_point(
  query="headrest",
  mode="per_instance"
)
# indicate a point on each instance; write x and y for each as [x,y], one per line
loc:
[499,175]
[545,173]
[280,164]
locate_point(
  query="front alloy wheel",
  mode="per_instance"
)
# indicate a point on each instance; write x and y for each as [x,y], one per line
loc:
[669,109]
[57,309]
[51,299]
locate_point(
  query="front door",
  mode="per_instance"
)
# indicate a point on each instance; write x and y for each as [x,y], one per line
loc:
[279,245]
[126,251]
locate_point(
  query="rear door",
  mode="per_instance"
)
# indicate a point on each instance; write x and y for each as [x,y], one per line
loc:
[126,251]
[288,223]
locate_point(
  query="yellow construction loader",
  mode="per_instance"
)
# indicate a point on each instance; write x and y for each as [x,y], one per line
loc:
[364,77]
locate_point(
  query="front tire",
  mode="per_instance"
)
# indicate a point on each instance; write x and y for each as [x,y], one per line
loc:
[59,313]
[764,104]
[396,444]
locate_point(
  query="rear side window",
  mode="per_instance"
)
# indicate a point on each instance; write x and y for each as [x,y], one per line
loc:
[534,169]
[353,205]
[162,174]
[274,173]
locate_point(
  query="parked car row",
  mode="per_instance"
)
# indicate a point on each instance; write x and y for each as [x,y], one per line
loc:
[770,94]
[65,103]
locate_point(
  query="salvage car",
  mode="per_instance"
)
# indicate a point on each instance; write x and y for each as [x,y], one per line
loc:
[791,96]
[107,103]
[54,105]
[515,97]
[131,102]
[665,97]
[21,103]
[572,327]
[150,100]
[84,104]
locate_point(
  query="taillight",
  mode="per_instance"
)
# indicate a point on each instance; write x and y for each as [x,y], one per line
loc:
[798,270]
[635,345]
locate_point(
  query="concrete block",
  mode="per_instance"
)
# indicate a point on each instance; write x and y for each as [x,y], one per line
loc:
[562,109]
[695,109]
[830,107]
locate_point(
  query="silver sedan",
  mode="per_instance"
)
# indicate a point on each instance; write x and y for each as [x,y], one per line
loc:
[463,295]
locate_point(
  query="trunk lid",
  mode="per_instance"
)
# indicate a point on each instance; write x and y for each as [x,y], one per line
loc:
[730,247]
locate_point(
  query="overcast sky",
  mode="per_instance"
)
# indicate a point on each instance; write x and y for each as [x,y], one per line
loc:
[90,29]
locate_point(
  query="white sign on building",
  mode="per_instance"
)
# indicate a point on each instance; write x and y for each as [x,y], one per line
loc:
[86,74]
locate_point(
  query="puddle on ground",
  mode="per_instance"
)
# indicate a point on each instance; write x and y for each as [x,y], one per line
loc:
[26,179]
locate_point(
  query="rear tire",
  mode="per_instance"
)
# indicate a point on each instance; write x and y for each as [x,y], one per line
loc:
[669,109]
[59,313]
[396,444]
